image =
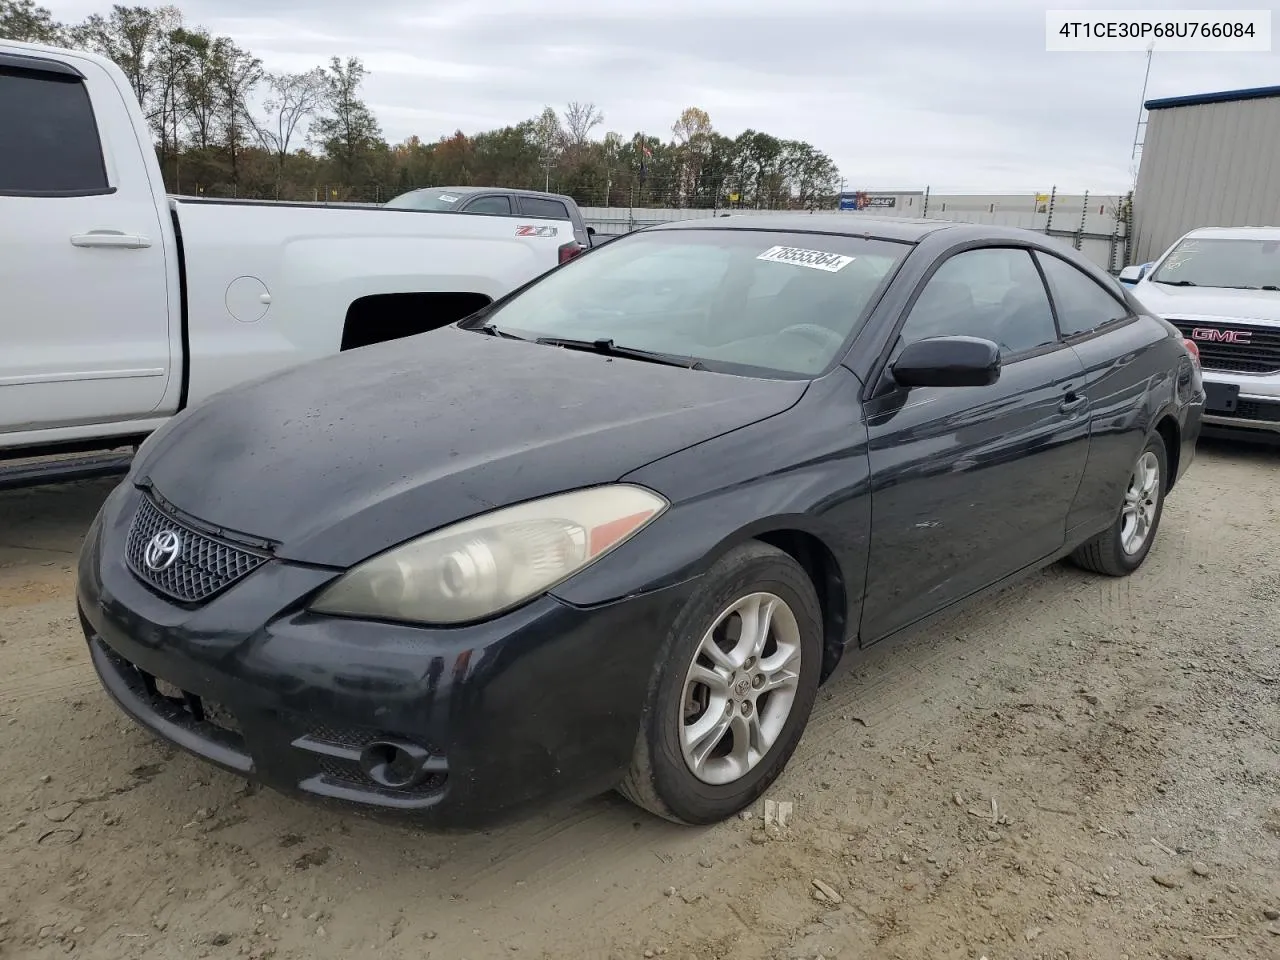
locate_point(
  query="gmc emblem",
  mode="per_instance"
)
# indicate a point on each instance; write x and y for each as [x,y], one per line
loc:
[1222,336]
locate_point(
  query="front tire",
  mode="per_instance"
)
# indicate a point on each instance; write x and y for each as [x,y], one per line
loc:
[732,692]
[1122,548]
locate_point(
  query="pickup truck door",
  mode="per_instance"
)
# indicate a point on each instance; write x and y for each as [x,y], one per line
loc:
[84,329]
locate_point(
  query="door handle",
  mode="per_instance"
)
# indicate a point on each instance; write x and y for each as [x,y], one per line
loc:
[110,238]
[1073,403]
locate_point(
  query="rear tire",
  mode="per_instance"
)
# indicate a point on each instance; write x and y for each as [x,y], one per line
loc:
[1122,547]
[719,727]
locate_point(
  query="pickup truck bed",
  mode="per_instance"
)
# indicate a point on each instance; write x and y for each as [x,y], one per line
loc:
[125,306]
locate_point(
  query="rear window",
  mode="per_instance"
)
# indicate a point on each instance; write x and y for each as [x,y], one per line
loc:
[50,137]
[543,209]
[754,302]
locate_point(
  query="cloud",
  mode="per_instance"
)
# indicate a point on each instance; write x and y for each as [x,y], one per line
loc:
[953,95]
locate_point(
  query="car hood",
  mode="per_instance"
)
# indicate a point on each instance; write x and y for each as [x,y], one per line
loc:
[1209,303]
[341,458]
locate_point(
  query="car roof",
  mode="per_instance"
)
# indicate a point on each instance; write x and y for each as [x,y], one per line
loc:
[513,190]
[907,229]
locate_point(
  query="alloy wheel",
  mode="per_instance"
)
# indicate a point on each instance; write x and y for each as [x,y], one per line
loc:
[1140,503]
[740,688]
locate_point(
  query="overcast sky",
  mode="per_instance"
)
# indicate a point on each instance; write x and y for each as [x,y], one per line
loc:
[959,95]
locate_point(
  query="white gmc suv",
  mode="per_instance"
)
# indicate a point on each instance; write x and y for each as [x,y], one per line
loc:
[1221,287]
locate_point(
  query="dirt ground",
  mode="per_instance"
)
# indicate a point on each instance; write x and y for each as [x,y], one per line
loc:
[1079,767]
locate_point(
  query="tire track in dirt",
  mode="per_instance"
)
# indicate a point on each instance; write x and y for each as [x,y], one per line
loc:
[993,701]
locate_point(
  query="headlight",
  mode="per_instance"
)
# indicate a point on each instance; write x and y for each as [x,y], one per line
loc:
[491,563]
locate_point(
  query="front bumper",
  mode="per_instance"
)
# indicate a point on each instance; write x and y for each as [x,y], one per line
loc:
[1239,401]
[540,706]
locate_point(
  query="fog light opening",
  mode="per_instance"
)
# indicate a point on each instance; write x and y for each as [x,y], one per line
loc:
[396,765]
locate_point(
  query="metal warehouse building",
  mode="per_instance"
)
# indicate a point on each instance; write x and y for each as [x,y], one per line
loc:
[1211,160]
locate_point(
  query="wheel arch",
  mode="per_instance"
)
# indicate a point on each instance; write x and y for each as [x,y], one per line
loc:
[801,539]
[1171,433]
[379,317]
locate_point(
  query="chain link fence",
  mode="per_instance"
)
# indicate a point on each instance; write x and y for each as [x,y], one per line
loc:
[1098,225]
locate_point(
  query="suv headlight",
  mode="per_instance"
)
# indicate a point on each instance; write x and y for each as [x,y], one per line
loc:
[480,567]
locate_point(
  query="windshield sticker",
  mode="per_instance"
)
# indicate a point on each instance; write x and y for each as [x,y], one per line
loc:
[536,231]
[448,198]
[815,259]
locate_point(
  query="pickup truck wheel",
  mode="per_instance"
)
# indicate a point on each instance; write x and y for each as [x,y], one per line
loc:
[733,689]
[1123,547]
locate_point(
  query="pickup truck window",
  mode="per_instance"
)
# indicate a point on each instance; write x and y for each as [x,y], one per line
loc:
[489,205]
[543,209]
[51,137]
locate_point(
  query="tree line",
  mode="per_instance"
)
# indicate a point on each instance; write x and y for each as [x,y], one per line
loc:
[225,126]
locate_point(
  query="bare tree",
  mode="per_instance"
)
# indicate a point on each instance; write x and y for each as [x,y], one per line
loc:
[693,141]
[132,37]
[238,74]
[292,102]
[694,125]
[347,130]
[548,135]
[579,120]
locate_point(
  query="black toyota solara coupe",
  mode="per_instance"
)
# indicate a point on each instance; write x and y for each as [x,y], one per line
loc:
[614,530]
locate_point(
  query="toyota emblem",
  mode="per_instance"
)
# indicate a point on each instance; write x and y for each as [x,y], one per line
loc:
[162,551]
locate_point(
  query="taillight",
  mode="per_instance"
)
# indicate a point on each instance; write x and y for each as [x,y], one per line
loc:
[1193,350]
[570,250]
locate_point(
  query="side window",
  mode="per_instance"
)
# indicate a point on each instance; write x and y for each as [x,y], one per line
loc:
[494,204]
[1083,305]
[50,137]
[996,294]
[543,209]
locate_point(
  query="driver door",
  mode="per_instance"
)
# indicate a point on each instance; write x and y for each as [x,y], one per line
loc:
[972,484]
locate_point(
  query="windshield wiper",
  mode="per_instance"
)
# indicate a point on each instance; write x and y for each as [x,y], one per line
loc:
[493,331]
[1177,283]
[1265,286]
[606,346]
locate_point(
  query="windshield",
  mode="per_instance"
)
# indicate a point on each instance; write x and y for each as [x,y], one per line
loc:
[736,300]
[437,199]
[1239,264]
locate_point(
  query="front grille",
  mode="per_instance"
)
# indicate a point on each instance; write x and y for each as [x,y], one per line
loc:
[203,566]
[1220,348]
[1265,410]
[211,720]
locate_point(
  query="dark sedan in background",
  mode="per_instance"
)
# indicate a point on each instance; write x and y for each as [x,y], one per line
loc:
[614,530]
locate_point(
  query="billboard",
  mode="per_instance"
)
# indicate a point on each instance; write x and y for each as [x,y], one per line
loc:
[861,200]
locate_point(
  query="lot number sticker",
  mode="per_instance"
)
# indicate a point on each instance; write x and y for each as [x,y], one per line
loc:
[816,259]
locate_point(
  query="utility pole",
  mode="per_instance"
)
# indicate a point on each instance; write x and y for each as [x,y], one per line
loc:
[1138,129]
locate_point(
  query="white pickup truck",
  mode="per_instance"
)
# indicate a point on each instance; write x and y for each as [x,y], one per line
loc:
[121,306]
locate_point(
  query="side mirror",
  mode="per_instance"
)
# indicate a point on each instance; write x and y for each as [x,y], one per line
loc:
[591,231]
[1133,273]
[948,362]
